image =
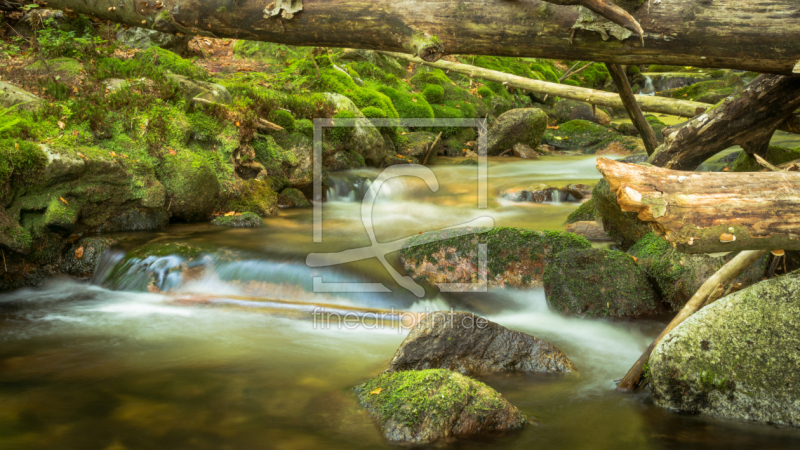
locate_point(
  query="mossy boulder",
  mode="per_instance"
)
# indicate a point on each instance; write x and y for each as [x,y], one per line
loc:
[515,257]
[190,89]
[775,155]
[292,198]
[677,276]
[83,257]
[594,283]
[363,139]
[66,69]
[191,185]
[737,358]
[586,212]
[143,38]
[624,227]
[416,144]
[470,344]
[11,95]
[243,220]
[566,110]
[424,406]
[525,125]
[591,138]
[252,196]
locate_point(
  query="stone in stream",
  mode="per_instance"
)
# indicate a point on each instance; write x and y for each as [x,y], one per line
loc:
[591,138]
[677,276]
[470,344]
[423,406]
[737,358]
[515,256]
[589,229]
[244,220]
[566,110]
[525,125]
[593,283]
[521,150]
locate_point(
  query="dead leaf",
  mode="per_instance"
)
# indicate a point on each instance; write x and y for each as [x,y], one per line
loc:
[230,213]
[172,152]
[79,252]
[62,199]
[61,125]
[376,391]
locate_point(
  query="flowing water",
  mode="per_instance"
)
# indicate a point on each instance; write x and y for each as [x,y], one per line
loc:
[84,366]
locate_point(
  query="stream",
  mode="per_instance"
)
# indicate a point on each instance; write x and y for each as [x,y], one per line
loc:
[83,366]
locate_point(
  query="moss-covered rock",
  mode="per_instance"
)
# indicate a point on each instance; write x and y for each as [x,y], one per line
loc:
[363,139]
[191,185]
[598,283]
[566,110]
[515,257]
[591,138]
[737,358]
[423,406]
[624,227]
[243,220]
[775,155]
[83,257]
[516,126]
[292,198]
[677,276]
[252,196]
[190,89]
[11,95]
[586,212]
[470,344]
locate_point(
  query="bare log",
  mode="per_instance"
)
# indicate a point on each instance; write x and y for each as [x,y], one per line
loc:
[757,35]
[647,103]
[748,119]
[709,292]
[711,212]
[634,112]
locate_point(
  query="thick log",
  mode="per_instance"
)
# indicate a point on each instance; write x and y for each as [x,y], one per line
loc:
[756,35]
[662,105]
[634,112]
[710,212]
[748,119]
[708,293]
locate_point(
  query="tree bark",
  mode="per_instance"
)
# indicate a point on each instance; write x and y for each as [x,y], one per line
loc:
[635,113]
[757,35]
[697,211]
[749,120]
[708,293]
[662,105]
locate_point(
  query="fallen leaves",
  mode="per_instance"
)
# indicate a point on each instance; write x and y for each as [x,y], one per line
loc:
[61,125]
[230,213]
[79,252]
[62,199]
[172,152]
[376,391]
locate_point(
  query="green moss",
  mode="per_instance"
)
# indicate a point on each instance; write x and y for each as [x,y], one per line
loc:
[340,135]
[408,106]
[305,127]
[172,62]
[485,92]
[585,212]
[433,93]
[433,395]
[253,196]
[247,219]
[775,155]
[283,118]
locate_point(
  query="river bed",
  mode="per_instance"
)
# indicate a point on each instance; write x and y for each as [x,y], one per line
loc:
[85,367]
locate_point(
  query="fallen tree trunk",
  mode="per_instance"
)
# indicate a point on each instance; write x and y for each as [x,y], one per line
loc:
[757,35]
[663,105]
[709,212]
[708,293]
[748,119]
[634,112]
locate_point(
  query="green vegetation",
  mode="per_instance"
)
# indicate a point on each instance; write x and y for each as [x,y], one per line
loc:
[775,155]
[585,212]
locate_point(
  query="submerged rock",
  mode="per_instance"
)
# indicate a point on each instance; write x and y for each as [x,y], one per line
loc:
[246,220]
[737,358]
[515,257]
[420,407]
[525,126]
[598,283]
[677,276]
[624,227]
[535,194]
[470,344]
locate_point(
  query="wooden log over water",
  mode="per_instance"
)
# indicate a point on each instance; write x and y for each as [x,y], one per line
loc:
[757,35]
[710,212]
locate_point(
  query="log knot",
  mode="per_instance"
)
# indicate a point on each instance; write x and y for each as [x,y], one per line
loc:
[285,9]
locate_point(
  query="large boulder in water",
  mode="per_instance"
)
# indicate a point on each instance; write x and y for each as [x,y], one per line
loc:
[737,358]
[525,125]
[420,407]
[677,276]
[471,344]
[624,227]
[515,257]
[598,283]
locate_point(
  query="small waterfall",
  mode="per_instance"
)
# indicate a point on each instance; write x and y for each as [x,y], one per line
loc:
[347,188]
[648,88]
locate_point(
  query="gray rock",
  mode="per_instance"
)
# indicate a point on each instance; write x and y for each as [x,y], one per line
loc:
[598,283]
[191,89]
[11,95]
[143,38]
[737,358]
[516,126]
[521,150]
[470,344]
[566,110]
[420,407]
[83,257]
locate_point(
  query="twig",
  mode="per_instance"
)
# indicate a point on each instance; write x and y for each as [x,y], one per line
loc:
[568,72]
[435,141]
[314,60]
[4,260]
[764,163]
[505,152]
